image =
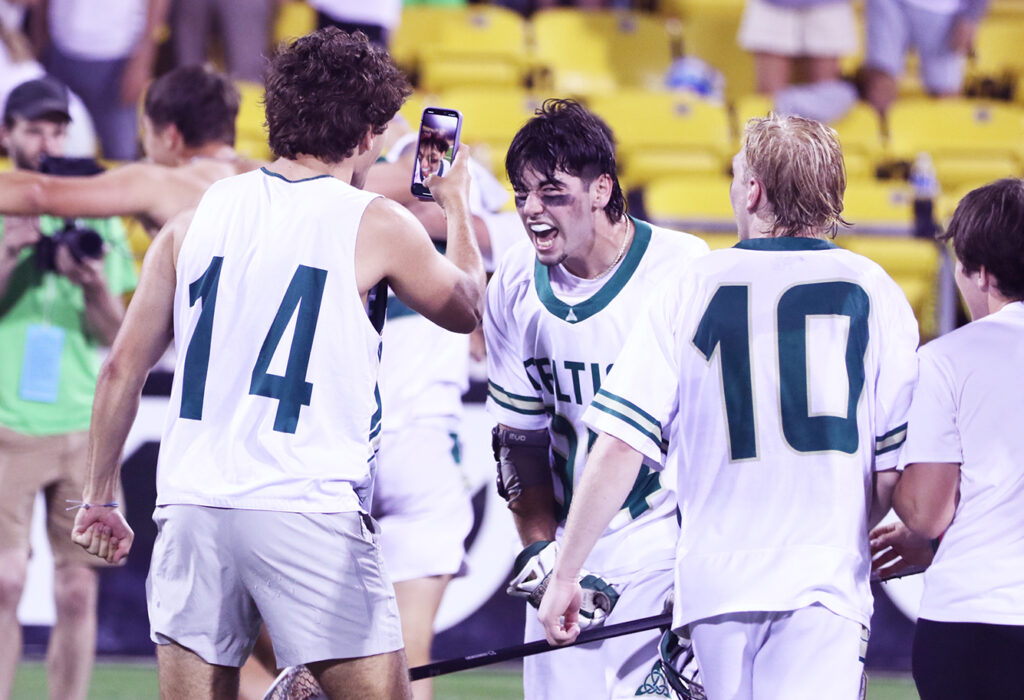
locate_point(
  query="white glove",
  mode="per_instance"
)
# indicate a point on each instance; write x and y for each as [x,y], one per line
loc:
[532,572]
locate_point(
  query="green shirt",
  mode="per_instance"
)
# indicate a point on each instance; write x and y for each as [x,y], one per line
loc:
[35,297]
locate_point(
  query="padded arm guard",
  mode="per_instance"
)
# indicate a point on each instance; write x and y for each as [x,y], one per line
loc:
[522,457]
[532,572]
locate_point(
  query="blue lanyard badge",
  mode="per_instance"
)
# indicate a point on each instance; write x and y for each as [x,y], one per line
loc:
[40,370]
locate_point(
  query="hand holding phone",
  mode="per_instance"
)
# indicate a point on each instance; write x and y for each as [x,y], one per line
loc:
[436,147]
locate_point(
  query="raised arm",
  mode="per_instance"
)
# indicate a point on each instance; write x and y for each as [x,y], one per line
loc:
[144,336]
[135,189]
[392,244]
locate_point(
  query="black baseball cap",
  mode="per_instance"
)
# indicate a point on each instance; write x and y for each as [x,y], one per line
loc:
[36,98]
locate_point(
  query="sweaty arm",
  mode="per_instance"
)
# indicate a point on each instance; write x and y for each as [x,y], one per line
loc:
[144,336]
[926,496]
[135,189]
[392,244]
[608,476]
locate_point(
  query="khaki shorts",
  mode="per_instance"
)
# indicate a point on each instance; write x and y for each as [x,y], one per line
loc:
[829,29]
[55,465]
[316,579]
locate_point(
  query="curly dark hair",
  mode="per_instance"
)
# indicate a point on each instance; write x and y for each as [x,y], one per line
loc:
[200,102]
[987,230]
[566,136]
[324,90]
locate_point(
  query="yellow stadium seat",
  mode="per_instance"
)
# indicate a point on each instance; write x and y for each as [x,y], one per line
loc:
[997,58]
[295,18]
[969,140]
[691,204]
[450,46]
[250,132]
[579,53]
[490,118]
[913,263]
[709,33]
[661,133]
[879,207]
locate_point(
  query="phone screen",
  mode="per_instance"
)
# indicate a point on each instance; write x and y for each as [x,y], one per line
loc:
[435,149]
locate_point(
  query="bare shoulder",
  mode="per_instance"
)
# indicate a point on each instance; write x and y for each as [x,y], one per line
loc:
[387,220]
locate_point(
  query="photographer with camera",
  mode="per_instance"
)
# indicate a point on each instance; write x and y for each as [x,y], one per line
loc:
[61,283]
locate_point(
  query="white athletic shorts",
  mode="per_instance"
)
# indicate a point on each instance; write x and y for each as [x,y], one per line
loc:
[829,29]
[805,654]
[316,579]
[421,500]
[615,668]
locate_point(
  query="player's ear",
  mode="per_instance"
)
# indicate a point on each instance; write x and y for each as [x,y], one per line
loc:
[367,142]
[755,194]
[985,280]
[600,191]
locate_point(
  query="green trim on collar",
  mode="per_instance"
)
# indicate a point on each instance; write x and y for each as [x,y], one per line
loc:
[785,243]
[279,175]
[585,309]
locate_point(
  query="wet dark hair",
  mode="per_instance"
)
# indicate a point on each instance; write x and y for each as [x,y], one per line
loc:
[325,90]
[988,229]
[434,140]
[565,136]
[200,102]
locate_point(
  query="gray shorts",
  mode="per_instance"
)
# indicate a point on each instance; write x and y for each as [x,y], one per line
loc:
[895,27]
[316,579]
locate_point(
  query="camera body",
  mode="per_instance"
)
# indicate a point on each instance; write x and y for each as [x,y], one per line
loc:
[83,243]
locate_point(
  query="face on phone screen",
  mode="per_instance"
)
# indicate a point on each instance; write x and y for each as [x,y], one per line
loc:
[438,140]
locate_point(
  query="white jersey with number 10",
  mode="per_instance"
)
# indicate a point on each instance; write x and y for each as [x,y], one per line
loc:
[273,405]
[784,368]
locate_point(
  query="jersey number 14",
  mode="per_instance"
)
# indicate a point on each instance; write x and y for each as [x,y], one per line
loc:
[292,391]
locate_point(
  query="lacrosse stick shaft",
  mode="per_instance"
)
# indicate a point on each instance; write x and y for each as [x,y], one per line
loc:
[484,658]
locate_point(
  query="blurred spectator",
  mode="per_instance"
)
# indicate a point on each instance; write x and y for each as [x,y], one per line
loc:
[105,53]
[244,28]
[18,65]
[790,35]
[374,19]
[941,31]
[56,308]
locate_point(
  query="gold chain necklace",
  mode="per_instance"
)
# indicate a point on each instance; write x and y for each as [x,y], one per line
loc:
[622,252]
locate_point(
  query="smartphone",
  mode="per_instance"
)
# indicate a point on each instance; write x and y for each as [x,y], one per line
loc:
[435,149]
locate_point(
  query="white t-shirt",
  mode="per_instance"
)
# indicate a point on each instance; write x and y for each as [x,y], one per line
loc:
[97,31]
[968,409]
[382,13]
[551,340]
[273,405]
[782,368]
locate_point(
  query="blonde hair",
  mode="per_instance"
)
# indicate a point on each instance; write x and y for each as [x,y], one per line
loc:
[800,164]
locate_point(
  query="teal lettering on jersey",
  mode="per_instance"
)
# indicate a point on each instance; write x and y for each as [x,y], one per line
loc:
[725,327]
[564,381]
[804,432]
[197,355]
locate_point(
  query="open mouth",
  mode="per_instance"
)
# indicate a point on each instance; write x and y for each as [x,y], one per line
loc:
[543,235]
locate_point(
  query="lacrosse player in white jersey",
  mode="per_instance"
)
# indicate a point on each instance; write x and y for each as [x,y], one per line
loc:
[963,476]
[782,370]
[558,309]
[267,459]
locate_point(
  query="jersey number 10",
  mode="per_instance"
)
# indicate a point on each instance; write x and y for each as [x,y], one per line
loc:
[292,391]
[725,326]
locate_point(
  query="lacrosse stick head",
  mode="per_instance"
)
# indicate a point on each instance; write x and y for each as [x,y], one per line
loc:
[295,683]
[680,666]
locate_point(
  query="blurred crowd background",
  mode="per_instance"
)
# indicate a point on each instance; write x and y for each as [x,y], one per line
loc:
[925,94]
